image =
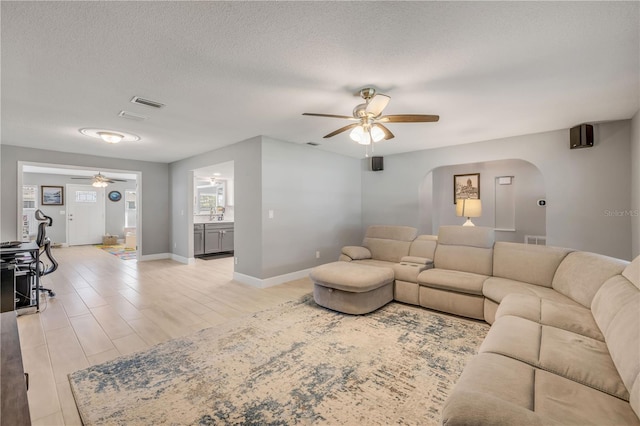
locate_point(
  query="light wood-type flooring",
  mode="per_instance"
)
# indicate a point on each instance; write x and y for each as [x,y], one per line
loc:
[106,307]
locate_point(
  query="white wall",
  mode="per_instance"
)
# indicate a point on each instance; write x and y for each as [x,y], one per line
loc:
[581,184]
[635,184]
[154,190]
[528,184]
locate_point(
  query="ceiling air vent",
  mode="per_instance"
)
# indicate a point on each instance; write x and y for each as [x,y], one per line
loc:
[132,116]
[146,102]
[313,143]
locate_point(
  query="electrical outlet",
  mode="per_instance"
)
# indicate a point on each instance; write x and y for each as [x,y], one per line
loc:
[175,245]
[235,260]
[270,214]
[317,255]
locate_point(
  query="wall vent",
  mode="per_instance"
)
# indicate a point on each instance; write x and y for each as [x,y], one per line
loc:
[146,102]
[538,240]
[132,116]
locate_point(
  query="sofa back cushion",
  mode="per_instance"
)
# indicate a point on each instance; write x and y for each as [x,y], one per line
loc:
[581,274]
[424,246]
[526,262]
[465,248]
[389,243]
[616,308]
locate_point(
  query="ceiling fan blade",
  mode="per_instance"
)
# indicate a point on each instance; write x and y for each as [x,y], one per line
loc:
[342,129]
[347,117]
[117,180]
[377,104]
[387,133]
[409,118]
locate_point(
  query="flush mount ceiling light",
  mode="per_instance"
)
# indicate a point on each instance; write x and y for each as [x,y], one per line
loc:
[110,136]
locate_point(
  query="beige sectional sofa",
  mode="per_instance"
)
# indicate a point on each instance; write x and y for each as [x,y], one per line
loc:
[564,346]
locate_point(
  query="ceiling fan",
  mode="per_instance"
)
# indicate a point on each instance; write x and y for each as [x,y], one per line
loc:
[369,122]
[100,180]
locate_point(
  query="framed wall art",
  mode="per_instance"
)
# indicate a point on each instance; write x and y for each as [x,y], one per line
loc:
[52,195]
[466,187]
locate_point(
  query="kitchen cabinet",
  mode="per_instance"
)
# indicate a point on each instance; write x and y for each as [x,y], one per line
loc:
[198,239]
[218,237]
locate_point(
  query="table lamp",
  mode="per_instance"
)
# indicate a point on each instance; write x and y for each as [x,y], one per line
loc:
[468,208]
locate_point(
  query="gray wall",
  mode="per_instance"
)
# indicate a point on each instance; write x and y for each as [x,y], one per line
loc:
[581,184]
[635,184]
[154,190]
[528,185]
[315,197]
[247,158]
[114,211]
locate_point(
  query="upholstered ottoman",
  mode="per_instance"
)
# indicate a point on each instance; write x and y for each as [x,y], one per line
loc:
[352,288]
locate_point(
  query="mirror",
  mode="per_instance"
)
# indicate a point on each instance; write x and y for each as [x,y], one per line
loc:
[210,195]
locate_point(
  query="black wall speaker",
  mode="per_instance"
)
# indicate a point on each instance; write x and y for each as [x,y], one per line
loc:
[377,164]
[581,136]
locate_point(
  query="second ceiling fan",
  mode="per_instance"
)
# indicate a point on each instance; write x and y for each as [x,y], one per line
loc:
[100,180]
[369,122]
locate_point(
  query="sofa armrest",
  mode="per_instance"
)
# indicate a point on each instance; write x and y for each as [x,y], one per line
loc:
[418,260]
[356,252]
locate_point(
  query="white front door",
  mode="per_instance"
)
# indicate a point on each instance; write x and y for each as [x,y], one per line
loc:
[85,214]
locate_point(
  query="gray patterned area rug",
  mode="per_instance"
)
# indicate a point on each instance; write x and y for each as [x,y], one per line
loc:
[297,363]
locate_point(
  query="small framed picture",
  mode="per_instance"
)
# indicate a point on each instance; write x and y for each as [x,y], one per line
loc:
[52,195]
[466,186]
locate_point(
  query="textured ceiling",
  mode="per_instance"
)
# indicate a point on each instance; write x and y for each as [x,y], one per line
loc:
[228,71]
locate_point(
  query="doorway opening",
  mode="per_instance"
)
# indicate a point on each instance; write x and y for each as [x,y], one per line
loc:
[86,212]
[212,224]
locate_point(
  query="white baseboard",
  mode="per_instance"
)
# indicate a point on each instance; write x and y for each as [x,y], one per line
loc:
[272,281]
[182,259]
[157,256]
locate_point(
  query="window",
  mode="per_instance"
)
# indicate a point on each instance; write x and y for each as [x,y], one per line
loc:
[86,197]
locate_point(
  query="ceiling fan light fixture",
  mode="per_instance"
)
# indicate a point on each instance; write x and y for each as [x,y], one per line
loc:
[356,134]
[99,184]
[376,133]
[110,137]
[365,139]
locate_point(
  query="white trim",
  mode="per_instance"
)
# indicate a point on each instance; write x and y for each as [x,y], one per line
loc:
[157,256]
[182,259]
[272,281]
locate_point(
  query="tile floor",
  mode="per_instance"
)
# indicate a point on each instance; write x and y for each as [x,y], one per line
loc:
[106,307]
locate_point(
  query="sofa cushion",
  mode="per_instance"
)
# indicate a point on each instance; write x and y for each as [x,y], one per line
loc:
[528,263]
[548,312]
[389,243]
[497,390]
[356,252]
[374,262]
[465,249]
[351,277]
[579,358]
[460,282]
[616,309]
[497,289]
[581,274]
[423,246]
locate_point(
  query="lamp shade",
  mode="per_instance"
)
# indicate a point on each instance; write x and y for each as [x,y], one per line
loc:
[469,208]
